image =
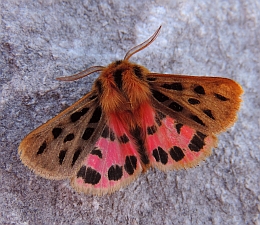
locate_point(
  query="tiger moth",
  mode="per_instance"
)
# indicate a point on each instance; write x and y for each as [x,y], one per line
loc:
[131,120]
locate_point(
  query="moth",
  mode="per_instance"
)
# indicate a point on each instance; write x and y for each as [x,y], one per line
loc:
[131,120]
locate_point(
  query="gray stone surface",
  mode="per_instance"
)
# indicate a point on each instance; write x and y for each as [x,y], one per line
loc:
[42,40]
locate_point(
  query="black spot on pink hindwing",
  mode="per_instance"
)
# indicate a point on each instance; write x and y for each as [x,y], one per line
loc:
[123,139]
[160,155]
[151,130]
[89,175]
[115,172]
[176,153]
[197,142]
[96,151]
[130,164]
[178,127]
[108,133]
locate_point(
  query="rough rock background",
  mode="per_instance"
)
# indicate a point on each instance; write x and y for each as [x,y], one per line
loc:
[42,40]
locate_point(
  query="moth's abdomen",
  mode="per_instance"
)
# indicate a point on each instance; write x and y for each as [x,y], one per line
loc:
[123,87]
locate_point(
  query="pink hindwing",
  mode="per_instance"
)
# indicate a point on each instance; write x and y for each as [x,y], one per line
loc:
[113,162]
[172,145]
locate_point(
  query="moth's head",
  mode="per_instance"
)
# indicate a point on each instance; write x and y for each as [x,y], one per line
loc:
[123,76]
[122,85]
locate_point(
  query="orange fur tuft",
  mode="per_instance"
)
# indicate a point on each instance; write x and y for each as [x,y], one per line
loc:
[134,91]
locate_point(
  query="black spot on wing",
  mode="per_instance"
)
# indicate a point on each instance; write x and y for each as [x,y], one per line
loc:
[221,97]
[56,132]
[160,155]
[76,156]
[108,133]
[130,164]
[87,133]
[197,120]
[197,142]
[209,113]
[178,127]
[199,90]
[42,148]
[193,101]
[124,139]
[115,172]
[105,132]
[112,135]
[76,115]
[173,86]
[62,156]
[158,121]
[96,152]
[176,153]
[81,172]
[151,79]
[160,115]
[96,115]
[151,130]
[201,135]
[159,96]
[175,106]
[69,137]
[89,175]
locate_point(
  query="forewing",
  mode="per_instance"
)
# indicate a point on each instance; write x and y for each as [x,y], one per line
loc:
[207,104]
[57,148]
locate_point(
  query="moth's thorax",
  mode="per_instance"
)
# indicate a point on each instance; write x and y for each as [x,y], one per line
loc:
[122,86]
